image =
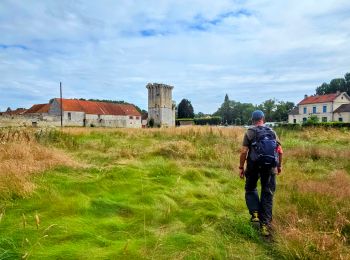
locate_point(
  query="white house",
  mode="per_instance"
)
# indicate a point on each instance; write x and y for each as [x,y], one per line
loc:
[328,108]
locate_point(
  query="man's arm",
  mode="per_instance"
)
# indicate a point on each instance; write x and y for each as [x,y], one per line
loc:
[242,159]
[280,154]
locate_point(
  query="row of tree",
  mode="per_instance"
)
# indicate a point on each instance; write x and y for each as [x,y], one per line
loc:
[236,113]
[233,112]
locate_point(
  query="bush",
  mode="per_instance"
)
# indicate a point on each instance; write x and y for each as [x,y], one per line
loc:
[151,123]
[215,120]
[328,124]
[291,126]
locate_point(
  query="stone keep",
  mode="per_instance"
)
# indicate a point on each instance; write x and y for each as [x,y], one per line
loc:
[160,105]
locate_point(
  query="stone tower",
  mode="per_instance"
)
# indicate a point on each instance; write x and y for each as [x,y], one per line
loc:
[160,105]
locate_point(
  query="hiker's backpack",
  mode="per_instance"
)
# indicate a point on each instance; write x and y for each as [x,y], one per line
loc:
[263,150]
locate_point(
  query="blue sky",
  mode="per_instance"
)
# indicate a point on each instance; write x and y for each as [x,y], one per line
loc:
[252,50]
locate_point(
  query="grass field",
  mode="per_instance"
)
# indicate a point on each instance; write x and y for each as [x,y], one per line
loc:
[167,194]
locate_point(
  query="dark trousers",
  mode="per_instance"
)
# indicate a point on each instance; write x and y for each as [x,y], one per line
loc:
[268,187]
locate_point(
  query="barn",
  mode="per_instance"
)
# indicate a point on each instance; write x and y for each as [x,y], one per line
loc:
[77,112]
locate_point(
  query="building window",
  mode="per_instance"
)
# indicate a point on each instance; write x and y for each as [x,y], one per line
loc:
[137,118]
[130,117]
[304,110]
[340,119]
[324,119]
[69,116]
[294,121]
[324,109]
[314,110]
[304,119]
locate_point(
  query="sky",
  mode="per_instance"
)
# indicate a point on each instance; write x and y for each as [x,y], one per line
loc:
[110,49]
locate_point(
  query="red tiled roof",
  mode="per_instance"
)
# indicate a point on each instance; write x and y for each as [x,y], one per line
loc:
[18,111]
[319,99]
[38,108]
[98,108]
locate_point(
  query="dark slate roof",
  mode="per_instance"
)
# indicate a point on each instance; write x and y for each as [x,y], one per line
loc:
[343,108]
[295,111]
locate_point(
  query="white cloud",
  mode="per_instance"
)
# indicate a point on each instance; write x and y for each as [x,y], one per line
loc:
[252,50]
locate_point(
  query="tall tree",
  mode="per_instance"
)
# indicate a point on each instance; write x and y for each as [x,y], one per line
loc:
[339,84]
[185,109]
[282,111]
[233,112]
[226,98]
[268,107]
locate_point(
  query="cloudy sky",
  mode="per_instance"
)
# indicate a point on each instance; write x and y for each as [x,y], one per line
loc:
[252,50]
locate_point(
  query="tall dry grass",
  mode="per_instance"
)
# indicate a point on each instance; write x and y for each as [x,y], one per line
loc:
[21,156]
[233,133]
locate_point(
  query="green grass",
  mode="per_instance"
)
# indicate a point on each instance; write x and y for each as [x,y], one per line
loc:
[163,195]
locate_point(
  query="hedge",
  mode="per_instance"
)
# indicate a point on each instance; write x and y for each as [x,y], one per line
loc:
[328,124]
[215,120]
[314,124]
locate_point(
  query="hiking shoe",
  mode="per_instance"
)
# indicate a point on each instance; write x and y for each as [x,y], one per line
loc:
[255,217]
[265,230]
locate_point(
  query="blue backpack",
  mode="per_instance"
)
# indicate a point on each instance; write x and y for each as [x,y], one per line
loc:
[262,151]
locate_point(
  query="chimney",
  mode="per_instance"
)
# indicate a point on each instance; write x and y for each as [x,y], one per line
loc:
[305,96]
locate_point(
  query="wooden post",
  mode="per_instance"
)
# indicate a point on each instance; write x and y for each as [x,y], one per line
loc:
[61,101]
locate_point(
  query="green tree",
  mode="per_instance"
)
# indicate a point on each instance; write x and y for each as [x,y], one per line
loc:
[225,111]
[268,107]
[151,123]
[338,84]
[233,112]
[313,119]
[282,111]
[226,98]
[185,109]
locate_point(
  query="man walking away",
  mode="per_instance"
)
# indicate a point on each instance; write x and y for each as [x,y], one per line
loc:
[263,153]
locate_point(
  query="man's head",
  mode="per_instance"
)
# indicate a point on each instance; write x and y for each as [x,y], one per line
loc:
[258,116]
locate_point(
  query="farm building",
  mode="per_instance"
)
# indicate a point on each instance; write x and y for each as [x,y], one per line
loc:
[11,113]
[328,108]
[87,113]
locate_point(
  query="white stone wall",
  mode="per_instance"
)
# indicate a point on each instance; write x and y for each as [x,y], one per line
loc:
[344,115]
[27,121]
[340,100]
[75,119]
[113,121]
[319,111]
